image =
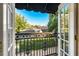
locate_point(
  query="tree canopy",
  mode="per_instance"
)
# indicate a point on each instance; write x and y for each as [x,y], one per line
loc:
[21,23]
[52,24]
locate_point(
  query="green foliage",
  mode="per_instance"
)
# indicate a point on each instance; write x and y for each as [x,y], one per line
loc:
[35,44]
[52,24]
[21,23]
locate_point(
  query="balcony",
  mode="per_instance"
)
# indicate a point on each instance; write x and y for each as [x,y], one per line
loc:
[32,44]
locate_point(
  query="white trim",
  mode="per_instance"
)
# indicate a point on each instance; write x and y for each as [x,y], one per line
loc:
[6,49]
[14,42]
[71,30]
[12,12]
[64,52]
[10,46]
[9,8]
[4,31]
[59,32]
[65,41]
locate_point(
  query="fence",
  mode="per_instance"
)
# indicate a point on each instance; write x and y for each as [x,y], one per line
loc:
[32,44]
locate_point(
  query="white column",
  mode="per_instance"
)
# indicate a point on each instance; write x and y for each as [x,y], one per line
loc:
[14,42]
[5,51]
[59,32]
[71,30]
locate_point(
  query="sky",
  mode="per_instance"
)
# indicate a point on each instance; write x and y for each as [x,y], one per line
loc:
[34,18]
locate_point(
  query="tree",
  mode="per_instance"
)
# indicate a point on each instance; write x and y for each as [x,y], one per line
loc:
[52,24]
[21,23]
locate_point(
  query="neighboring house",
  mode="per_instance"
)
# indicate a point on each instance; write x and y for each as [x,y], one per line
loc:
[34,30]
[43,28]
[32,33]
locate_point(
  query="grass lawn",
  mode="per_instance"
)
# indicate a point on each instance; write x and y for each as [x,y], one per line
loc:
[35,44]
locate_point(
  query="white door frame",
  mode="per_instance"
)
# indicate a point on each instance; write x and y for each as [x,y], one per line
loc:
[6,17]
[71,29]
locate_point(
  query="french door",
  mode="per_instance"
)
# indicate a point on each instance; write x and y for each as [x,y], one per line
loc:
[8,29]
[66,29]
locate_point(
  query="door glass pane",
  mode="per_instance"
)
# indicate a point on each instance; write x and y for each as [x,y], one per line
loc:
[9,35]
[66,27]
[66,11]
[64,33]
[62,21]
[66,47]
[62,44]
[62,27]
[61,53]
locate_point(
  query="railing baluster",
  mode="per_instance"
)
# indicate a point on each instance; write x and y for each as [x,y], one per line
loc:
[38,46]
[35,46]
[50,45]
[16,47]
[31,46]
[47,46]
[42,47]
[20,47]
[54,45]
[24,47]
[27,46]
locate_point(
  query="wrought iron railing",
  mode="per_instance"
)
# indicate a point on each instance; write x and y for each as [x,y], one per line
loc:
[32,44]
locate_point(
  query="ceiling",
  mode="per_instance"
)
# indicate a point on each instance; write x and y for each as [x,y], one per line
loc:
[38,7]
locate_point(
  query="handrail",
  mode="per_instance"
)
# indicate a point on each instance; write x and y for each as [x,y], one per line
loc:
[35,46]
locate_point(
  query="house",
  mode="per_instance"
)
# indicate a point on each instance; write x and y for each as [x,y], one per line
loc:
[68,26]
[33,30]
[28,33]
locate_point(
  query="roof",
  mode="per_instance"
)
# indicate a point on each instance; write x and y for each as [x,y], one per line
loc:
[42,7]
